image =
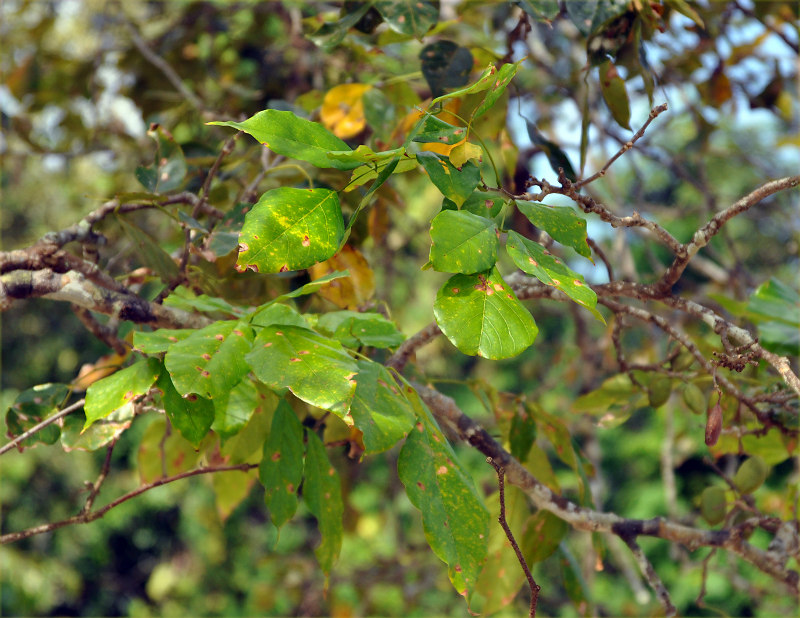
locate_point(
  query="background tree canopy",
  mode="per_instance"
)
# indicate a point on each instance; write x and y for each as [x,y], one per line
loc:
[278,277]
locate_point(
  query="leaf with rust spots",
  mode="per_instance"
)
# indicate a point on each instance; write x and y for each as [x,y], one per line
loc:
[322,491]
[291,229]
[281,468]
[380,411]
[322,377]
[210,362]
[114,391]
[560,222]
[530,257]
[455,519]
[462,242]
[353,328]
[180,454]
[479,320]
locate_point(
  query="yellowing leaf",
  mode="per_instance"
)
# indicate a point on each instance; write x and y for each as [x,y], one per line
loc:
[463,152]
[343,110]
[348,292]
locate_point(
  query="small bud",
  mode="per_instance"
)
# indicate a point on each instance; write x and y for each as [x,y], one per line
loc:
[713,425]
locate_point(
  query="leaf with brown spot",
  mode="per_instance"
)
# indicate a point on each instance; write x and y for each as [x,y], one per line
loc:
[281,468]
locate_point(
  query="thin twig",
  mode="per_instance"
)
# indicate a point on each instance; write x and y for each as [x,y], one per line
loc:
[704,235]
[39,426]
[535,588]
[101,477]
[101,331]
[85,518]
[654,113]
[651,576]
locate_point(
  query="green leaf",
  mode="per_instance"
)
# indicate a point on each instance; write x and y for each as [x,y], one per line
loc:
[484,82]
[684,8]
[453,183]
[481,203]
[210,362]
[149,251]
[412,17]
[158,341]
[322,491]
[365,154]
[310,288]
[434,130]
[114,391]
[316,369]
[776,301]
[455,520]
[504,76]
[353,328]
[380,410]
[281,468]
[290,229]
[169,169]
[234,409]
[364,173]
[445,65]
[532,258]
[185,299]
[278,314]
[295,137]
[561,222]
[614,94]
[542,536]
[462,242]
[191,415]
[31,407]
[99,434]
[480,314]
[248,444]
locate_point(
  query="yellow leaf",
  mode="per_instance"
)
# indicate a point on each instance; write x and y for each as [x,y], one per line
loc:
[464,151]
[352,291]
[343,110]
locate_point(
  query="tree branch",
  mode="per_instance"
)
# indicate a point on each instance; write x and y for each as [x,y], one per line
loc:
[704,235]
[581,518]
[74,288]
[651,576]
[86,517]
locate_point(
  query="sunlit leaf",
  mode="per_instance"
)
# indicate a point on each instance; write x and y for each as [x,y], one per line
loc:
[290,229]
[99,434]
[435,130]
[113,392]
[157,341]
[463,152]
[560,222]
[316,369]
[532,258]
[298,138]
[462,242]
[210,362]
[480,314]
[481,203]
[504,75]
